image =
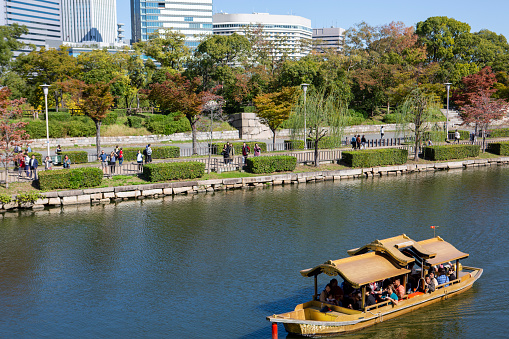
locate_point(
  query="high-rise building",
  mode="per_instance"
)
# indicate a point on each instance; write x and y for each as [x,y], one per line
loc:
[328,39]
[191,17]
[42,18]
[292,34]
[89,20]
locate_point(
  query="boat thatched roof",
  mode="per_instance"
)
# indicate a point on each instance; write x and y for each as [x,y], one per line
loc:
[445,251]
[382,259]
[360,269]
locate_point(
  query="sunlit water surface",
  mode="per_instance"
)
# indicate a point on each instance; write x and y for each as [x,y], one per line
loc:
[214,265]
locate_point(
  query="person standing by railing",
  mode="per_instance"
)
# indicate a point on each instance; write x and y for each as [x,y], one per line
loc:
[257,150]
[139,160]
[103,157]
[33,167]
[113,160]
[245,152]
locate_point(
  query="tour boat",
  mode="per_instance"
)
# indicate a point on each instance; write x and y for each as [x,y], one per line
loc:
[377,261]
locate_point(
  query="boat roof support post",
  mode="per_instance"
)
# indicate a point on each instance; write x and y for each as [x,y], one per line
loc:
[457,268]
[363,298]
[316,287]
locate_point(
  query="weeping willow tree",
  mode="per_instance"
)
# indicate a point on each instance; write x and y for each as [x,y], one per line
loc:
[416,114]
[324,115]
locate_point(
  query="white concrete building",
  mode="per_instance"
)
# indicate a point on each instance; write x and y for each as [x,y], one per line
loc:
[294,31]
[89,21]
[42,18]
[332,38]
[191,17]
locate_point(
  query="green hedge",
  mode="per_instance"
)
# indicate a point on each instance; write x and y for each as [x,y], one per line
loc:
[439,153]
[70,178]
[77,127]
[167,124]
[375,157]
[500,148]
[162,152]
[173,171]
[134,121]
[498,133]
[271,164]
[237,146]
[76,157]
[294,144]
[57,116]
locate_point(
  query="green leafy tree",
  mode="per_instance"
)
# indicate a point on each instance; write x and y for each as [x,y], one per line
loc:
[324,115]
[274,108]
[167,47]
[9,42]
[416,113]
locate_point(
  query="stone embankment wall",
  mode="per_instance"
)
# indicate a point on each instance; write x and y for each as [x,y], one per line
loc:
[113,194]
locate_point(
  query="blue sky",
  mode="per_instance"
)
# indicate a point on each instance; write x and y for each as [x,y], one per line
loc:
[489,14]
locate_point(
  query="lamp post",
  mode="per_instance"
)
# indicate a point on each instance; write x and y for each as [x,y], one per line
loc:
[211,106]
[305,89]
[448,87]
[45,90]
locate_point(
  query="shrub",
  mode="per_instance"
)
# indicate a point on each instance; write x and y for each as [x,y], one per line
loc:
[237,146]
[294,144]
[110,118]
[173,171]
[5,198]
[134,121]
[167,124]
[70,178]
[80,128]
[271,164]
[76,157]
[36,129]
[439,153]
[390,118]
[28,197]
[327,143]
[56,130]
[500,148]
[58,116]
[498,133]
[162,152]
[375,157]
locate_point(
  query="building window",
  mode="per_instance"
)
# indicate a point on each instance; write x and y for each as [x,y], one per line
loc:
[206,25]
[194,25]
[188,18]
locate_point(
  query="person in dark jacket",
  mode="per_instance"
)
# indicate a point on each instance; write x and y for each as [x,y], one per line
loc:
[33,167]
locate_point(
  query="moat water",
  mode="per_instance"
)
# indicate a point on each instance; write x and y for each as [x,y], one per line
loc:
[214,265]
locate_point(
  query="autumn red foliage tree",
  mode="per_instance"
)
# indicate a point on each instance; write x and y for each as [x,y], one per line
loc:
[179,94]
[12,132]
[478,105]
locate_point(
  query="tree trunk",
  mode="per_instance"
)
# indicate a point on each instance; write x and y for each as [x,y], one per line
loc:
[316,153]
[193,132]
[6,175]
[416,146]
[98,136]
[273,140]
[55,95]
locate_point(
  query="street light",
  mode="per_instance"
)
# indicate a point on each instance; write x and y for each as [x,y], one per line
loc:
[45,90]
[447,86]
[305,89]
[211,106]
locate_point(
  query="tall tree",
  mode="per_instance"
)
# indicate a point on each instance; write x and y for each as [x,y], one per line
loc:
[12,132]
[478,105]
[274,108]
[418,109]
[324,115]
[178,94]
[167,47]
[9,42]
[94,100]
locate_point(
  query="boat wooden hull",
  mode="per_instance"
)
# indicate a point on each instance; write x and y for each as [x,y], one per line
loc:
[307,320]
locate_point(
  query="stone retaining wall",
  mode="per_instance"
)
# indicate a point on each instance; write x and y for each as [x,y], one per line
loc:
[108,195]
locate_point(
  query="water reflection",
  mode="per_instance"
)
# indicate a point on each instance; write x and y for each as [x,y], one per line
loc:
[144,268]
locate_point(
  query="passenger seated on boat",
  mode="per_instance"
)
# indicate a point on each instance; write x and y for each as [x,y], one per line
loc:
[335,289]
[370,297]
[442,278]
[390,295]
[433,279]
[325,293]
[399,289]
[452,275]
[356,302]
[429,285]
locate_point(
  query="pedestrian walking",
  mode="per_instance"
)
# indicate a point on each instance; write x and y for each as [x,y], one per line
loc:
[148,154]
[457,136]
[245,152]
[226,153]
[231,152]
[21,165]
[358,141]
[27,165]
[33,167]
[382,133]
[120,158]
[104,161]
[139,160]
[257,150]
[353,142]
[112,161]
[48,163]
[363,141]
